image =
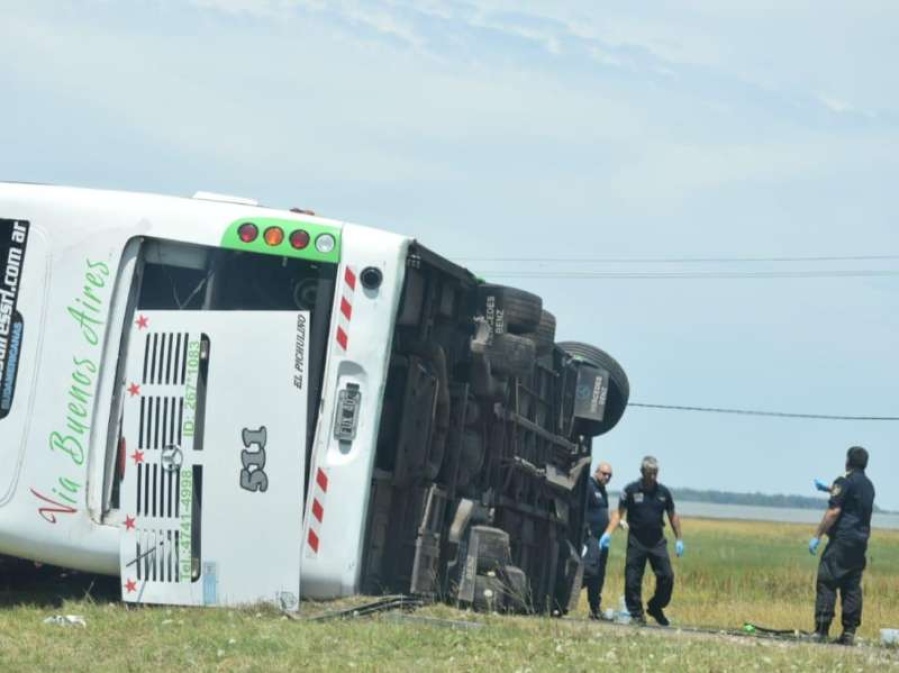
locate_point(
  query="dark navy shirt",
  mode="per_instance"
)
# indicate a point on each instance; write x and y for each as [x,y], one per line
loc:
[597,507]
[854,495]
[646,509]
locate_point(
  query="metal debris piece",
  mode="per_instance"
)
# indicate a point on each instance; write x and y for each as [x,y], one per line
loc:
[381,605]
[66,620]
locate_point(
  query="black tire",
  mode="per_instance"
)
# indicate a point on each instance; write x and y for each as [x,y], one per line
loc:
[619,387]
[544,337]
[512,355]
[512,310]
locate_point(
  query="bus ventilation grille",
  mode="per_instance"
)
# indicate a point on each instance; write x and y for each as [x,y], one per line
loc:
[157,557]
[165,358]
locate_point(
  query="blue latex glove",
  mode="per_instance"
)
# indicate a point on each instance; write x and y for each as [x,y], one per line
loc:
[679,547]
[813,545]
[605,540]
[822,486]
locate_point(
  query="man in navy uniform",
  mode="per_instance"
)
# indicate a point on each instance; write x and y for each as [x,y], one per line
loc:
[645,502]
[595,559]
[847,523]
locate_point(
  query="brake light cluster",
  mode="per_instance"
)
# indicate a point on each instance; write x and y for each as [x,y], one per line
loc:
[273,236]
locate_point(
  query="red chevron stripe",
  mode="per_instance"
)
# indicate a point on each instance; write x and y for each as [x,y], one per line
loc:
[317,510]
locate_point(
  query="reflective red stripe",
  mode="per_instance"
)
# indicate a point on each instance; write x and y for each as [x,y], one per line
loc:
[317,510]
[345,312]
[322,480]
[313,540]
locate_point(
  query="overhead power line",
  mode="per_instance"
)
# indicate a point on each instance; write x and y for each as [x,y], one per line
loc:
[686,275]
[751,412]
[681,260]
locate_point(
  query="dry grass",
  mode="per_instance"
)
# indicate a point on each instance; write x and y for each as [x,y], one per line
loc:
[732,572]
[746,571]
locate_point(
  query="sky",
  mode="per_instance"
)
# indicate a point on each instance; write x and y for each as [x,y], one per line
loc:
[705,190]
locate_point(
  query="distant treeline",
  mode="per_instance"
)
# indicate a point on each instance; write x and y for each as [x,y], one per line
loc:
[753,499]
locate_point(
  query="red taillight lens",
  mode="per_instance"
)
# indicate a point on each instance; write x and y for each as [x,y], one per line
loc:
[273,236]
[299,239]
[247,232]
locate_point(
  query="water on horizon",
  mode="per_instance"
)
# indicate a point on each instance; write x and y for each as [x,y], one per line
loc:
[712,510]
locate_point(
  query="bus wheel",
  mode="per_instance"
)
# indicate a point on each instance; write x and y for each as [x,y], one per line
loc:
[521,310]
[512,354]
[619,387]
[545,335]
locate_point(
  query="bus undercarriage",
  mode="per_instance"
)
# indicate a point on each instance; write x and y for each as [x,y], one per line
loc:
[484,449]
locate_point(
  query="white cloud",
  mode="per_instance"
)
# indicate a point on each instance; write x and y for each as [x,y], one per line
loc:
[668,129]
[836,105]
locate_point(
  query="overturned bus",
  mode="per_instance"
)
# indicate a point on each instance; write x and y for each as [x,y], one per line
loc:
[223,403]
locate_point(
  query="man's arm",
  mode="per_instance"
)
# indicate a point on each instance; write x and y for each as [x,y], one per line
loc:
[614,520]
[830,516]
[675,524]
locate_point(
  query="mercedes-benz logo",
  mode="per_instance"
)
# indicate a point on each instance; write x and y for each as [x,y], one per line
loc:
[172,457]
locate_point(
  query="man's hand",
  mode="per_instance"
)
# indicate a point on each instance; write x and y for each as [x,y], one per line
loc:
[822,485]
[679,548]
[605,541]
[813,545]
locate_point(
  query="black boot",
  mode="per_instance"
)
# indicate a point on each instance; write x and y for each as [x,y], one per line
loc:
[657,613]
[822,629]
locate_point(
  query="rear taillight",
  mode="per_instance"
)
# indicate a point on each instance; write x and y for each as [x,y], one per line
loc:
[299,239]
[247,232]
[273,236]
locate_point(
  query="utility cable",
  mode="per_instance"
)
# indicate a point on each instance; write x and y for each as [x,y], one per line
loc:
[750,412]
[687,275]
[679,260]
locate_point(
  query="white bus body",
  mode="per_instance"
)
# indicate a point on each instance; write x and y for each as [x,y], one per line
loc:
[223,403]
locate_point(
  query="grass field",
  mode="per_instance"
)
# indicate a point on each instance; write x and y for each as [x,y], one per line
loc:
[732,572]
[736,571]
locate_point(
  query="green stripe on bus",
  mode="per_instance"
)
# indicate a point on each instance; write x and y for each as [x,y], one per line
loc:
[232,240]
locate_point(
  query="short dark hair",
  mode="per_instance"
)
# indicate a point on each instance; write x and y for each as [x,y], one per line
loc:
[857,458]
[649,464]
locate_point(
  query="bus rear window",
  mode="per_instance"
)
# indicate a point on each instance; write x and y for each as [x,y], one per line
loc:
[176,276]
